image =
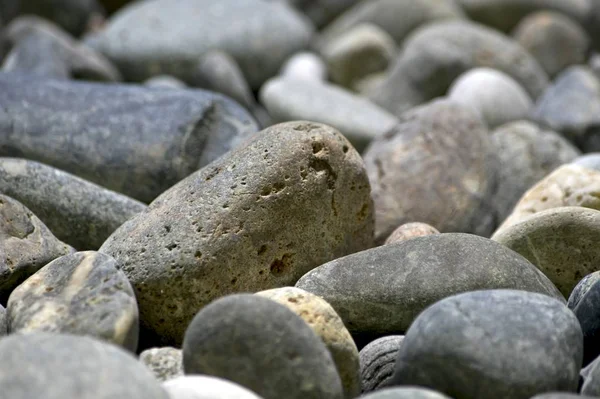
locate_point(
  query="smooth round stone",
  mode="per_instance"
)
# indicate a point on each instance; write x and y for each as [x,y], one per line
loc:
[58,366]
[484,334]
[411,230]
[219,231]
[497,97]
[164,82]
[405,393]
[165,363]
[561,242]
[261,345]
[166,37]
[438,53]
[82,294]
[305,66]
[326,323]
[204,387]
[554,39]
[358,53]
[582,288]
[377,361]
[383,289]
[26,245]
[584,303]
[591,379]
[589,161]
[443,152]
[526,154]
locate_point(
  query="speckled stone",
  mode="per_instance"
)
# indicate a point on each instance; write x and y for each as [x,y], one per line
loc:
[261,345]
[78,212]
[405,393]
[377,361]
[219,230]
[468,344]
[204,387]
[411,230]
[326,323]
[60,366]
[139,143]
[26,245]
[165,363]
[82,294]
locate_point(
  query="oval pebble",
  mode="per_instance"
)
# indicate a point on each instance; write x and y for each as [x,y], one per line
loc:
[204,387]
[377,361]
[405,393]
[165,363]
[411,230]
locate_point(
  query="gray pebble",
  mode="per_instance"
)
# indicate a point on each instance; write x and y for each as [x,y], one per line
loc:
[165,363]
[377,361]
[3,322]
[582,288]
[164,82]
[306,66]
[205,387]
[405,393]
[589,161]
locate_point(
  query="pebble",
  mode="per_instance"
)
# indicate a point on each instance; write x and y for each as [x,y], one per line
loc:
[554,39]
[60,366]
[359,120]
[435,166]
[405,393]
[261,345]
[166,363]
[377,361]
[486,333]
[305,66]
[82,294]
[584,303]
[411,230]
[164,82]
[589,161]
[204,387]
[219,230]
[582,288]
[27,245]
[139,143]
[591,383]
[380,291]
[494,95]
[326,323]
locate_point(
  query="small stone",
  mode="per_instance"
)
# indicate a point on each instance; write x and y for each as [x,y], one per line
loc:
[60,366]
[305,66]
[469,343]
[554,39]
[411,230]
[405,393]
[589,161]
[377,361]
[326,323]
[276,353]
[359,120]
[497,97]
[582,288]
[204,387]
[165,363]
[82,294]
[165,82]
[584,303]
[591,379]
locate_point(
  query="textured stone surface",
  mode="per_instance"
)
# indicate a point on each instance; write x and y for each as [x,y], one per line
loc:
[434,167]
[82,294]
[436,54]
[260,345]
[466,346]
[382,290]
[59,366]
[326,323]
[78,212]
[165,363]
[405,393]
[359,120]
[377,361]
[203,387]
[561,242]
[163,36]
[219,231]
[411,230]
[140,143]
[26,245]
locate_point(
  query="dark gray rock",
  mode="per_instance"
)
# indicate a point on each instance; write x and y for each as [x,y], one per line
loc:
[219,231]
[60,366]
[467,346]
[260,345]
[436,54]
[560,395]
[205,387]
[584,302]
[436,167]
[377,361]
[81,294]
[166,37]
[78,212]
[26,245]
[321,12]
[165,363]
[582,288]
[42,49]
[382,290]
[140,143]
[405,393]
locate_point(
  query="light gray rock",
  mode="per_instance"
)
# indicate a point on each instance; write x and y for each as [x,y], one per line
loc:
[377,361]
[59,366]
[405,393]
[164,82]
[589,161]
[305,66]
[219,231]
[82,294]
[359,120]
[166,37]
[165,363]
[468,344]
[261,345]
[204,387]
[139,143]
[382,290]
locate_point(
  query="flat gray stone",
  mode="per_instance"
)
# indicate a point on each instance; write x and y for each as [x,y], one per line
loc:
[81,294]
[139,143]
[382,290]
[204,387]
[467,346]
[377,361]
[261,345]
[165,363]
[219,231]
[405,393]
